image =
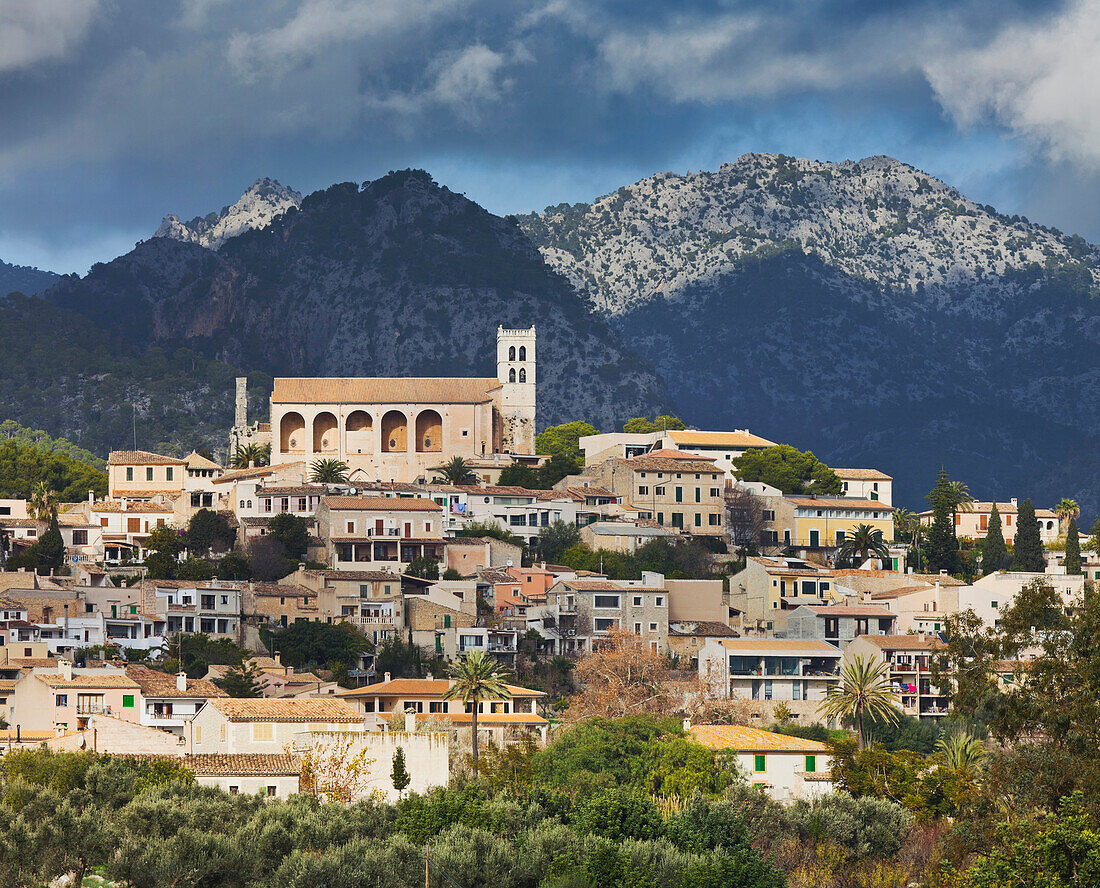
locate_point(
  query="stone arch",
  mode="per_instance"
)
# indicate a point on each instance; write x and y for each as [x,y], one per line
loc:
[324,433]
[429,432]
[395,432]
[511,353]
[358,432]
[512,375]
[523,352]
[292,433]
[522,374]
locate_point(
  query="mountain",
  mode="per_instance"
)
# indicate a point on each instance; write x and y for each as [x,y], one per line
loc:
[25,279]
[397,277]
[258,206]
[864,309]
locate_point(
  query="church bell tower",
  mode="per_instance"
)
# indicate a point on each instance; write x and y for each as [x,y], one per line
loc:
[516,372]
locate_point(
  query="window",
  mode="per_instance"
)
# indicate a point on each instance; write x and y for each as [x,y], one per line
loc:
[149,474]
[605,601]
[221,732]
[127,701]
[769,515]
[606,625]
[437,706]
[80,537]
[679,494]
[652,627]
[643,491]
[234,790]
[129,473]
[637,628]
[263,731]
[637,601]
[197,733]
[659,491]
[759,763]
[168,474]
[267,504]
[698,519]
[301,504]
[811,764]
[351,527]
[271,792]
[714,520]
[427,527]
[62,700]
[993,605]
[659,601]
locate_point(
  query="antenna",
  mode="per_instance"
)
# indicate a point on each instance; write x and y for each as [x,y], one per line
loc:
[134,406]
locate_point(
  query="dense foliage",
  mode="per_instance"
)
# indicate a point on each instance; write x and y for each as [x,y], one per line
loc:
[788,469]
[23,465]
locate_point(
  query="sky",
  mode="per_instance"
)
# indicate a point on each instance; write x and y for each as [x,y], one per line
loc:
[116,112]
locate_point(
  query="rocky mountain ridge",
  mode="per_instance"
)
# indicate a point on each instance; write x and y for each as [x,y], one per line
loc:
[261,203]
[399,277]
[862,308]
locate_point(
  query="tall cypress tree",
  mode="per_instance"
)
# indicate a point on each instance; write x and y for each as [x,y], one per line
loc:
[1073,548]
[1028,554]
[943,545]
[994,550]
[51,547]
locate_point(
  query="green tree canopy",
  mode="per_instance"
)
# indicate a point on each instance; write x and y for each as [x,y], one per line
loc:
[564,439]
[309,643]
[22,466]
[994,551]
[943,546]
[555,538]
[50,548]
[1073,548]
[293,532]
[242,681]
[1027,553]
[165,540]
[662,423]
[209,531]
[789,469]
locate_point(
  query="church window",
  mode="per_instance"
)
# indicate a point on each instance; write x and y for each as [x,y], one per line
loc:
[512,375]
[522,375]
[512,353]
[523,352]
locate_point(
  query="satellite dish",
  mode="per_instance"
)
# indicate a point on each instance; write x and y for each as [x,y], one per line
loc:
[509,562]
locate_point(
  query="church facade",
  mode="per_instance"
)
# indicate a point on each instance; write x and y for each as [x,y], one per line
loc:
[398,429]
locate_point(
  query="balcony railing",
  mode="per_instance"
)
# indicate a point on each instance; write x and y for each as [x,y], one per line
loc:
[93,709]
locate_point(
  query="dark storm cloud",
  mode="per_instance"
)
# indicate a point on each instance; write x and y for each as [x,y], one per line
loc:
[117,111]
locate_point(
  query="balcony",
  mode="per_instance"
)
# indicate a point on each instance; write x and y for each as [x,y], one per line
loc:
[87,709]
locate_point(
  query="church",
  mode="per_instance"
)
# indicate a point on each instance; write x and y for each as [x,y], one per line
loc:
[398,429]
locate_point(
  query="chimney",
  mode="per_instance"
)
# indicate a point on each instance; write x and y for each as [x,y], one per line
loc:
[943,573]
[410,721]
[58,729]
[430,676]
[252,463]
[278,659]
[91,497]
[66,667]
[687,724]
[387,676]
[1014,501]
[181,681]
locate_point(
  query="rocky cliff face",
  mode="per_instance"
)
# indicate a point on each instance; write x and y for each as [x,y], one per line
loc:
[399,277]
[258,206]
[863,309]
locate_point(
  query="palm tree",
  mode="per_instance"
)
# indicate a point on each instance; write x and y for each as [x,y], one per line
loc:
[455,471]
[961,752]
[904,521]
[863,690]
[41,505]
[476,678]
[864,541]
[962,500]
[251,454]
[329,471]
[1067,509]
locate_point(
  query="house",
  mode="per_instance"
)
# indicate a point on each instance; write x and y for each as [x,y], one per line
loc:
[209,606]
[46,699]
[909,663]
[373,533]
[760,588]
[125,525]
[267,500]
[721,447]
[168,702]
[989,596]
[867,484]
[140,474]
[498,718]
[810,524]
[680,491]
[837,624]
[687,637]
[401,429]
[273,775]
[201,473]
[972,520]
[372,600]
[622,536]
[786,768]
[795,671]
[468,555]
[266,725]
[581,612]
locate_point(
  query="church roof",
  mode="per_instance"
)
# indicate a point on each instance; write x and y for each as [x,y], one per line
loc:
[383,390]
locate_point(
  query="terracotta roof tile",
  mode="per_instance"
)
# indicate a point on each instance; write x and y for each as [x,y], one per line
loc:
[196,460]
[422,687]
[243,764]
[732,440]
[862,475]
[904,642]
[301,710]
[141,458]
[255,472]
[809,502]
[382,390]
[381,503]
[89,681]
[671,461]
[746,739]
[377,576]
[160,684]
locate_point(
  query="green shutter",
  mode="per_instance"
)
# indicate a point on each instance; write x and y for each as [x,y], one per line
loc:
[811,764]
[127,701]
[759,763]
